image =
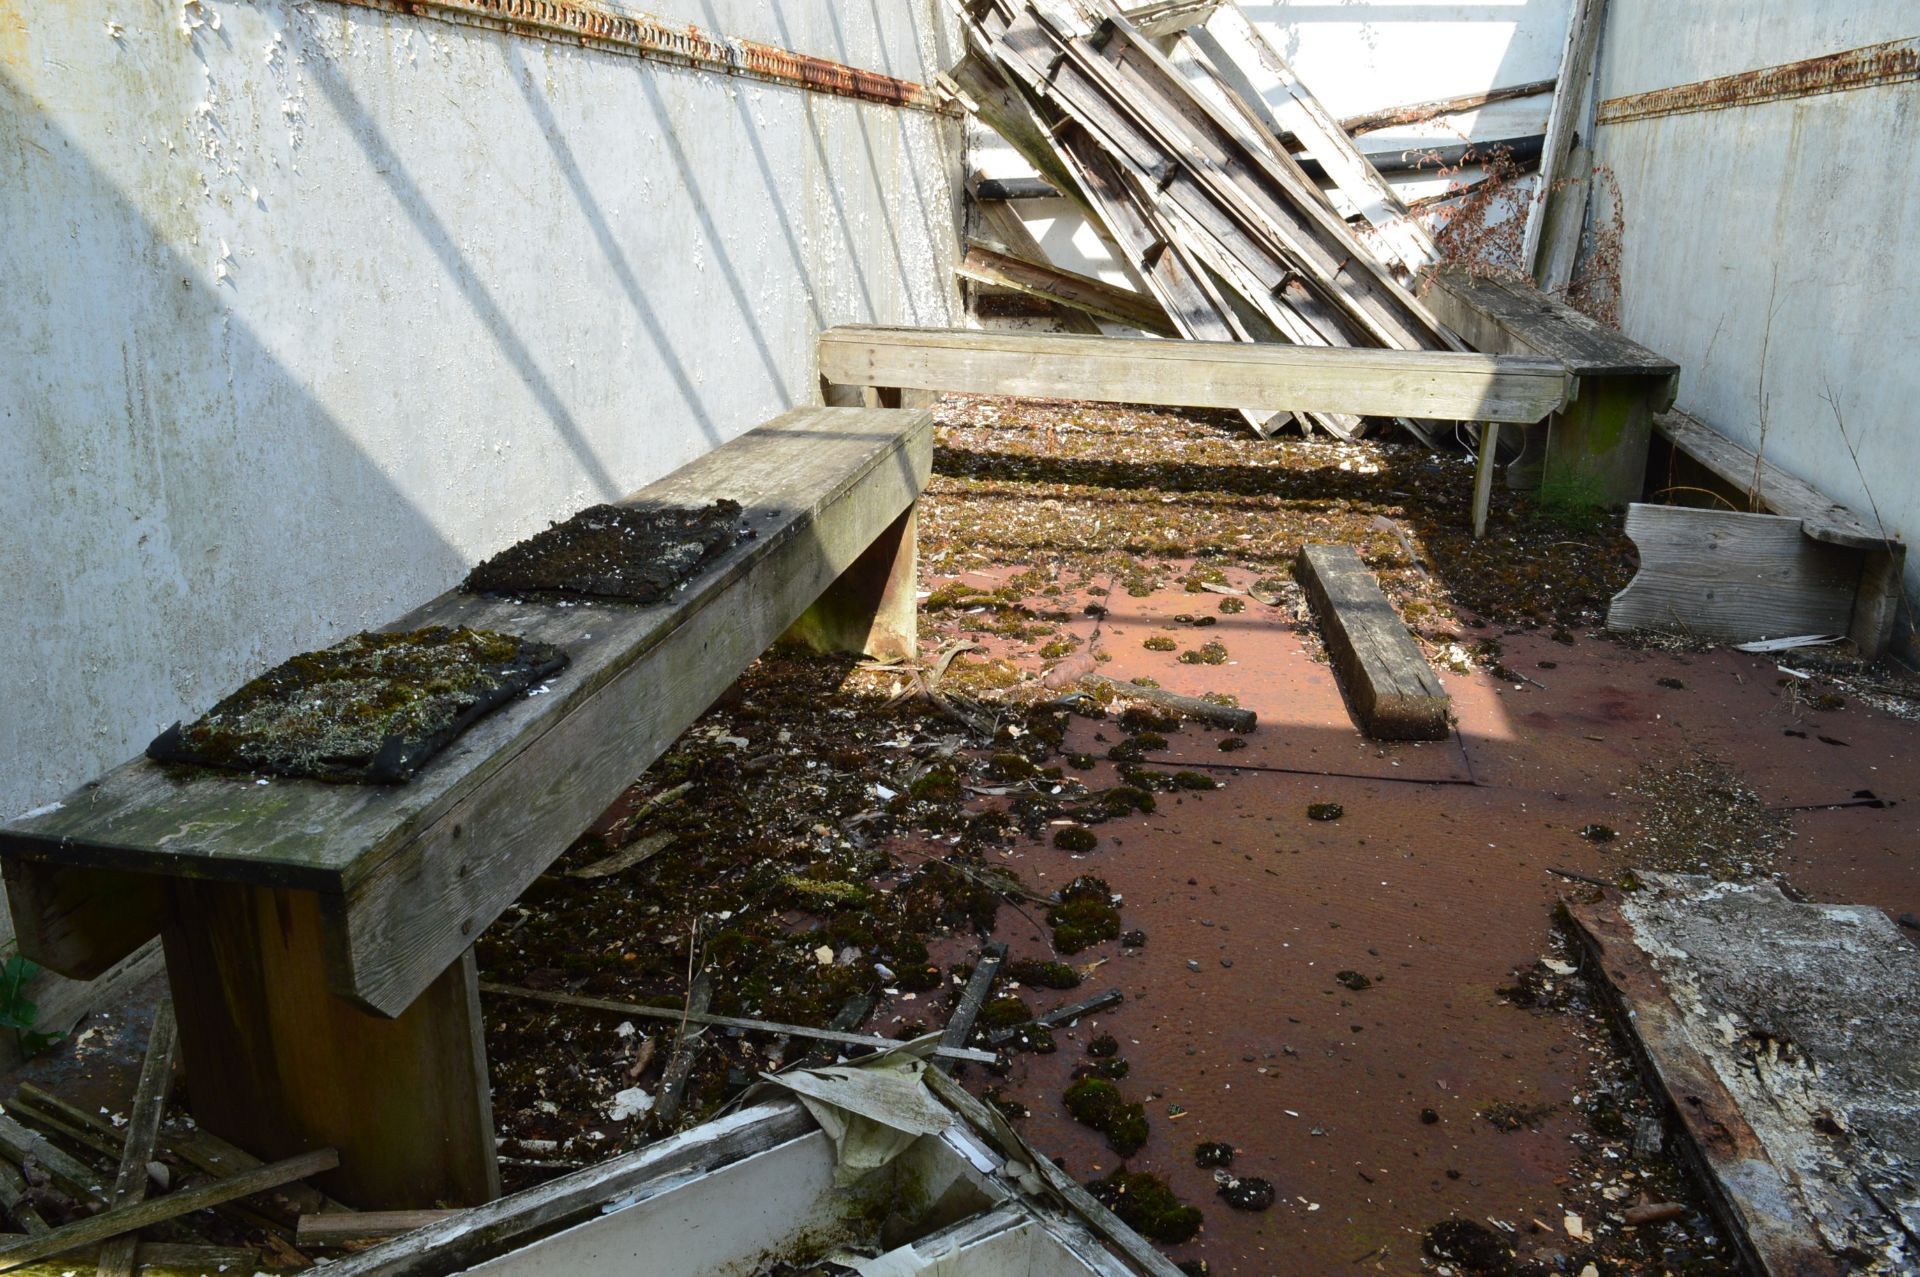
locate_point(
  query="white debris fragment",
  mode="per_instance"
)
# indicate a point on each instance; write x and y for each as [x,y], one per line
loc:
[630,1103]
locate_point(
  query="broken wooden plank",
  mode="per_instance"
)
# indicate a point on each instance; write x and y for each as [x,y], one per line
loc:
[686,1052]
[1876,600]
[13,1195]
[1231,717]
[1449,385]
[1289,109]
[338,1228]
[974,996]
[1060,1015]
[1392,689]
[639,851]
[1779,1035]
[996,264]
[1170,17]
[183,1201]
[143,1129]
[725,1021]
[68,1171]
[1571,90]
[1730,575]
[1421,112]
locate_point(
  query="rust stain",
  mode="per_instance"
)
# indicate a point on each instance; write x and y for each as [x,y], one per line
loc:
[1894,62]
[640,35]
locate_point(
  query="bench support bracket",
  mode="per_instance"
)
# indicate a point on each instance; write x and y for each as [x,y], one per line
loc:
[870,608]
[278,1064]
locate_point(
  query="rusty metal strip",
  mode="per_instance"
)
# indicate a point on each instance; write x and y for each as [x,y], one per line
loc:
[1895,62]
[644,36]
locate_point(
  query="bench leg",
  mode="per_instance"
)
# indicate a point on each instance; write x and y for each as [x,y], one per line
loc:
[277,1064]
[1597,447]
[1483,476]
[871,608]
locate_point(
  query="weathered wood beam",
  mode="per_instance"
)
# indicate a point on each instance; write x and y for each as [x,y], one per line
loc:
[143,1129]
[1170,17]
[1392,689]
[1570,95]
[996,264]
[1421,112]
[1449,385]
[973,997]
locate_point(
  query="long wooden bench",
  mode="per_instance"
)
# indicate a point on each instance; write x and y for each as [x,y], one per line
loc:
[1784,559]
[319,937]
[1448,385]
[1595,447]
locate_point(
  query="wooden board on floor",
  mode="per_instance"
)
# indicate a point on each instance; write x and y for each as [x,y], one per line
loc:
[1723,574]
[1449,385]
[1393,691]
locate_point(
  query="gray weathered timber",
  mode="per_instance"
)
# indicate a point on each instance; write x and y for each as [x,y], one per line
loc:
[1231,717]
[411,873]
[973,997]
[1723,574]
[1169,17]
[84,1232]
[143,1130]
[1876,603]
[686,1052]
[998,265]
[1778,492]
[1782,1036]
[1392,689]
[1511,317]
[1450,385]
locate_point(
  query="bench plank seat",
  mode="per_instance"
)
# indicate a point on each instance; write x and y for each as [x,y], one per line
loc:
[1445,384]
[1500,314]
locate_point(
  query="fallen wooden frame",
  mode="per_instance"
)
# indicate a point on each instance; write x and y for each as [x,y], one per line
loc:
[1393,691]
[1448,385]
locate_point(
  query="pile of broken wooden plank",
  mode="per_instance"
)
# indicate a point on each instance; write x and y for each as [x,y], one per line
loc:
[1170,127]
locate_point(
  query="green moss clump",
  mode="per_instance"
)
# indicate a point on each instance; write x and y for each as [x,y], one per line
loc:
[1044,975]
[1057,648]
[1233,607]
[821,895]
[1325,811]
[1144,718]
[1097,1103]
[1115,1069]
[1122,799]
[1011,766]
[1146,1205]
[1160,643]
[938,785]
[1080,762]
[1004,1013]
[952,594]
[1194,780]
[1075,838]
[1127,751]
[1081,924]
[1104,1046]
[1228,744]
[1213,653]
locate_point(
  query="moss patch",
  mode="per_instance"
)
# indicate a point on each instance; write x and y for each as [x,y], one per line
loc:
[1097,1103]
[374,708]
[1146,1205]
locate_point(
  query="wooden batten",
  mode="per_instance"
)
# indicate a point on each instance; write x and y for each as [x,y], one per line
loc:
[1392,690]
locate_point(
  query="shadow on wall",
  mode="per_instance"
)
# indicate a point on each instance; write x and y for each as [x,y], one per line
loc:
[176,520]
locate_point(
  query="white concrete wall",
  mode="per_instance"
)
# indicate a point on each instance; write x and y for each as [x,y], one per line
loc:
[307,307]
[1791,228]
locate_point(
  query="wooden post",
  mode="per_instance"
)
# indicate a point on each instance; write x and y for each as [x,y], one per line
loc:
[870,608]
[1483,476]
[278,1064]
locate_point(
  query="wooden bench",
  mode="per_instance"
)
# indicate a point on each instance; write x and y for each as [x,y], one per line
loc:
[319,937]
[1449,385]
[1595,448]
[1783,560]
